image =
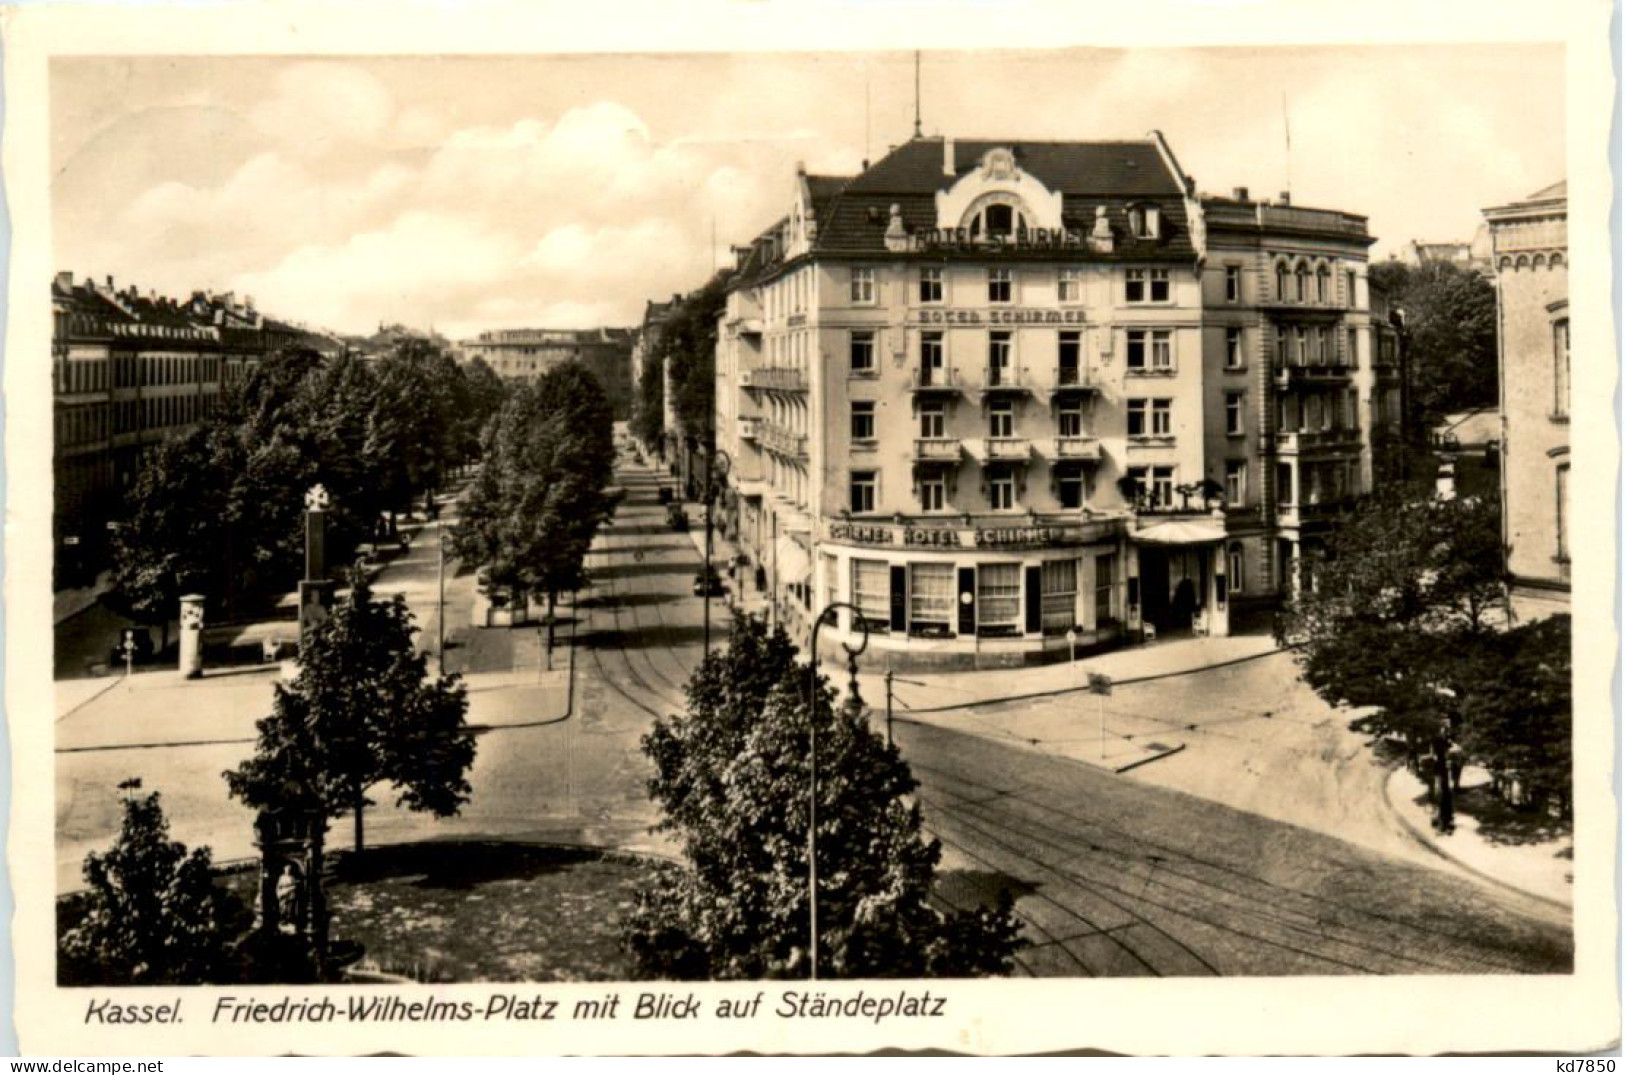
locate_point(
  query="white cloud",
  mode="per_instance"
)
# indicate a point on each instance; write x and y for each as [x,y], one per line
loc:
[319,106]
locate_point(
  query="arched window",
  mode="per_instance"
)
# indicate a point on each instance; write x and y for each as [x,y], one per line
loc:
[1323,279]
[1303,282]
[997,220]
[1280,280]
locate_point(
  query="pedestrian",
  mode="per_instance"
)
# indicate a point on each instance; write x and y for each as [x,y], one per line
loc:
[1457,758]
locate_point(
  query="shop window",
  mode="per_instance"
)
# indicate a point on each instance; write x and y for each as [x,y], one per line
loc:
[931,602]
[1060,596]
[863,421]
[871,594]
[998,600]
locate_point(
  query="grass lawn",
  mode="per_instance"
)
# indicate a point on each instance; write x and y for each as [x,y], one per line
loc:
[489,912]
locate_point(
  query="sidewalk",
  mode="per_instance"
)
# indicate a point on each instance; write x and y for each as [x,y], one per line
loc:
[940,692]
[1542,868]
[66,604]
[742,593]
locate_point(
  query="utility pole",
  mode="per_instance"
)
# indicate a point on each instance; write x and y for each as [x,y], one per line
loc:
[440,649]
[888,706]
[891,678]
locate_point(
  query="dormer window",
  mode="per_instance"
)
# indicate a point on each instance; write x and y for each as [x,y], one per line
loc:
[998,220]
[1145,221]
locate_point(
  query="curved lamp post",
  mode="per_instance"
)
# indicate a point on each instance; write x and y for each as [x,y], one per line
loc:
[713,457]
[856,704]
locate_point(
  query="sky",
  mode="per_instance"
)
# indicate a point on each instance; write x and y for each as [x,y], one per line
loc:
[474,193]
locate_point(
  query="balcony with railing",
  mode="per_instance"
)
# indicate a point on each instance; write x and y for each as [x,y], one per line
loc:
[1304,441]
[1073,379]
[774,379]
[1006,450]
[937,450]
[1003,379]
[1297,372]
[1076,450]
[925,380]
[781,441]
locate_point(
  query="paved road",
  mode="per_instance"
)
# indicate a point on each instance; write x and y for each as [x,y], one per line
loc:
[1114,876]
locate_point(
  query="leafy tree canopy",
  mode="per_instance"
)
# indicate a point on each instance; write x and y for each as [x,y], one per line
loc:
[731,776]
[361,711]
[152,914]
[1449,331]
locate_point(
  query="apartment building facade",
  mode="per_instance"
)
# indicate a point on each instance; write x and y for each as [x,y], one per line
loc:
[129,370]
[1530,244]
[1005,399]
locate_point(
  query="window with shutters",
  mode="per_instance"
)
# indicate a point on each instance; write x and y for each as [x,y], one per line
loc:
[998,600]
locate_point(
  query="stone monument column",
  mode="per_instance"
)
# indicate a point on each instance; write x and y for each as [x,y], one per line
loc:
[192,636]
[316,589]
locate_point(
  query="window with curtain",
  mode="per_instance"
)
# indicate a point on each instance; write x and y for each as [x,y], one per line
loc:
[871,593]
[998,598]
[1060,596]
[931,599]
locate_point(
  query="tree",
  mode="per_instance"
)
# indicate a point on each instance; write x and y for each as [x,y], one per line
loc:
[170,541]
[1407,588]
[1449,317]
[648,417]
[1518,714]
[152,914]
[731,777]
[541,492]
[361,712]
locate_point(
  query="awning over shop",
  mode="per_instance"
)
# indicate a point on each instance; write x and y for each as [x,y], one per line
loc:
[1178,532]
[794,565]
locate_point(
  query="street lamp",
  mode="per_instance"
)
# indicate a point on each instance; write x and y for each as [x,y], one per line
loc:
[711,460]
[855,703]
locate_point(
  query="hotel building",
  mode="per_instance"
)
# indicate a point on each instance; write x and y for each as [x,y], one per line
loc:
[1004,398]
[1530,248]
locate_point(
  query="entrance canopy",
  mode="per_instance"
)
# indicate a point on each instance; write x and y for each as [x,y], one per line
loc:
[1180,533]
[794,565]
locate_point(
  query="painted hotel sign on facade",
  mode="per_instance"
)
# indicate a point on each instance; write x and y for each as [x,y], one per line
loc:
[1038,536]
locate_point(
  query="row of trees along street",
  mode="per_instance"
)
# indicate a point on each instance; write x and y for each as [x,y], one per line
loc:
[543,489]
[1403,617]
[218,509]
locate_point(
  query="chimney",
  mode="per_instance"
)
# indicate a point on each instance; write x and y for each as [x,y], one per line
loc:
[1240,194]
[1286,197]
[110,286]
[248,303]
[948,157]
[801,167]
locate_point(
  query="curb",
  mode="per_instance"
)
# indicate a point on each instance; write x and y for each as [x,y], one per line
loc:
[1432,845]
[1125,682]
